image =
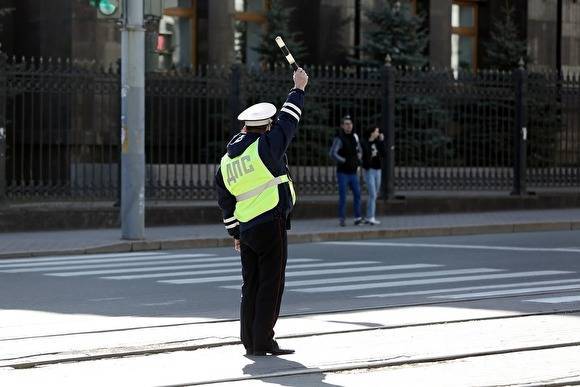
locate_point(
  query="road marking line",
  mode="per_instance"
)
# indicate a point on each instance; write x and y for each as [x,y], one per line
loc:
[152,269]
[453,290]
[180,274]
[555,300]
[420,274]
[448,246]
[121,264]
[176,274]
[105,260]
[106,299]
[302,273]
[512,291]
[166,303]
[87,256]
[380,285]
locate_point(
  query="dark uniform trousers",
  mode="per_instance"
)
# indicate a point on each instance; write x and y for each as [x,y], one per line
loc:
[264,253]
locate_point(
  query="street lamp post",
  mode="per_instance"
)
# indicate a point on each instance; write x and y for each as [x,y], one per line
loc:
[133,121]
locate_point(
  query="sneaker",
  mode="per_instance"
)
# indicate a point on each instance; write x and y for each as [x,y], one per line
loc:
[342,223]
[373,221]
[358,221]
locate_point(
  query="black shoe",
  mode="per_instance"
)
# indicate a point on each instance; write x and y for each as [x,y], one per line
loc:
[274,350]
[342,223]
[358,222]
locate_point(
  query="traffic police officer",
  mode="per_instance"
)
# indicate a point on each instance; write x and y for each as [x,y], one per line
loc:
[256,196]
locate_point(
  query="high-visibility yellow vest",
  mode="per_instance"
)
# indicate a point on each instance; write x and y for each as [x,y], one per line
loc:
[255,188]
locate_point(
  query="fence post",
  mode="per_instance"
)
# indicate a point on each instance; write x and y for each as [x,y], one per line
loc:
[388,129]
[234,102]
[3,85]
[520,133]
[119,134]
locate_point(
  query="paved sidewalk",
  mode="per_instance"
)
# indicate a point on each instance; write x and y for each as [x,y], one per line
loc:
[303,231]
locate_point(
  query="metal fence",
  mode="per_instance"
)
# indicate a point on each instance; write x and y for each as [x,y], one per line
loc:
[60,135]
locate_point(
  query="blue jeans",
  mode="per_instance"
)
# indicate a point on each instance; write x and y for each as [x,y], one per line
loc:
[373,182]
[348,181]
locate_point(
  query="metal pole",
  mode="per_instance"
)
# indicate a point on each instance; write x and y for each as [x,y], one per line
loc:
[2,129]
[234,102]
[133,121]
[559,37]
[520,134]
[120,132]
[388,129]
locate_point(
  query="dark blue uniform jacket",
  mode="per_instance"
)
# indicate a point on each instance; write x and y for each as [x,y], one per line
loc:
[272,149]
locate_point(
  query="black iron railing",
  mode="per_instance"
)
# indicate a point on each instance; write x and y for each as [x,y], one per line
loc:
[491,130]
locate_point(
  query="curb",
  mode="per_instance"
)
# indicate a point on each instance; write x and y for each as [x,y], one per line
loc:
[149,245]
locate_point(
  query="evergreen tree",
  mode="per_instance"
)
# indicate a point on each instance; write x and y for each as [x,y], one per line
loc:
[278,24]
[505,48]
[396,31]
[5,11]
[305,149]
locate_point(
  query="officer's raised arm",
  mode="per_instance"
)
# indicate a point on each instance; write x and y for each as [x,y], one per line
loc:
[286,125]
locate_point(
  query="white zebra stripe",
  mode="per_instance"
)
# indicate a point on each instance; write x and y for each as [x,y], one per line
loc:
[555,300]
[309,273]
[386,277]
[466,288]
[509,292]
[450,246]
[81,256]
[220,271]
[122,264]
[154,269]
[342,288]
[159,258]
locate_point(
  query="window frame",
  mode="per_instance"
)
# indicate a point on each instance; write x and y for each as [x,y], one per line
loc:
[469,31]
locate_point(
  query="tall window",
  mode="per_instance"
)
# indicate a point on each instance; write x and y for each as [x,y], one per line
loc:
[464,35]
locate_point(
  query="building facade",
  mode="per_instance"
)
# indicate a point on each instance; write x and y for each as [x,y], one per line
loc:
[194,32]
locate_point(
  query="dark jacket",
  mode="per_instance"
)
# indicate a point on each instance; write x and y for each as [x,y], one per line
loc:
[272,149]
[373,153]
[346,151]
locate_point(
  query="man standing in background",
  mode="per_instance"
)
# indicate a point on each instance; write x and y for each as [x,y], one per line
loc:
[347,153]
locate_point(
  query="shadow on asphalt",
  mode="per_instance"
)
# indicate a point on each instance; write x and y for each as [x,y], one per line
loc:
[267,364]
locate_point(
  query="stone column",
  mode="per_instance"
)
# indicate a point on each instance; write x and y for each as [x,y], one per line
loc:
[440,33]
[221,32]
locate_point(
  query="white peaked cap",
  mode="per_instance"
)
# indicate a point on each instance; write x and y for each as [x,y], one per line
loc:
[258,114]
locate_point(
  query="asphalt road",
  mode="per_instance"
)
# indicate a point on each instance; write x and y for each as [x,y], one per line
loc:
[524,270]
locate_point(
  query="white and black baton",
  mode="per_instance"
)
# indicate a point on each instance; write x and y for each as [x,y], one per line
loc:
[286,53]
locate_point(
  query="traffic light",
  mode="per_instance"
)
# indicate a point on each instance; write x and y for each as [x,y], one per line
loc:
[108,8]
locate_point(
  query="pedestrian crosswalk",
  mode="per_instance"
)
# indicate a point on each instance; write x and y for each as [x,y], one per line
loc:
[354,278]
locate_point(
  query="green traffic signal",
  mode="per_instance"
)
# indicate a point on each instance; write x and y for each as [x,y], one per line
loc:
[106,7]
